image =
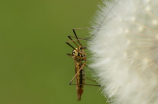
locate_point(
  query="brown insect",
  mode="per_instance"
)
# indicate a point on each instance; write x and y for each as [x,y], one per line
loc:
[80,59]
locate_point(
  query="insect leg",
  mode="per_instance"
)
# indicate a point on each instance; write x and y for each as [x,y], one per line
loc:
[72,40]
[69,54]
[86,84]
[76,38]
[80,29]
[80,38]
[91,79]
[70,45]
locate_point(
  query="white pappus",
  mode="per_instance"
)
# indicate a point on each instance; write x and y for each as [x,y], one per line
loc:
[125,50]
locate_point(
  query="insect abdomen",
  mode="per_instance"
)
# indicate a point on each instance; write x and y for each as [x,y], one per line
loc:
[80,81]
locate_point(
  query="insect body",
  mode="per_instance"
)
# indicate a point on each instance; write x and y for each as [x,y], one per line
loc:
[80,76]
[79,57]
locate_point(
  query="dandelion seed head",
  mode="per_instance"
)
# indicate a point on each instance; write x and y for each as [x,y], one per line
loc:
[125,51]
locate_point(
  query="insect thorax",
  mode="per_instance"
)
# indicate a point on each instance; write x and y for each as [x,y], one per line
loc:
[78,54]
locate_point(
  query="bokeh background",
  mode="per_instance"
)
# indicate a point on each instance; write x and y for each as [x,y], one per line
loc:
[34,67]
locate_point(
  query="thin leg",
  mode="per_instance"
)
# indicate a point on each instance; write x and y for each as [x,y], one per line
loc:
[90,68]
[85,28]
[80,38]
[86,84]
[91,79]
[70,45]
[69,54]
[81,29]
[76,36]
[72,40]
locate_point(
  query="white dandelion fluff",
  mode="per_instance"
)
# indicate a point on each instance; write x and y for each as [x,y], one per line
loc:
[125,50]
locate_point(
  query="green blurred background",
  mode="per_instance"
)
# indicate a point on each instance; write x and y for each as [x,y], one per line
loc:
[34,67]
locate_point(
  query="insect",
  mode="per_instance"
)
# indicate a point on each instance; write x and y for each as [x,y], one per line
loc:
[80,59]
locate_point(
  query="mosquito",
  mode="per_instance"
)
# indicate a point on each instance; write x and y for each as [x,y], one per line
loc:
[80,59]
